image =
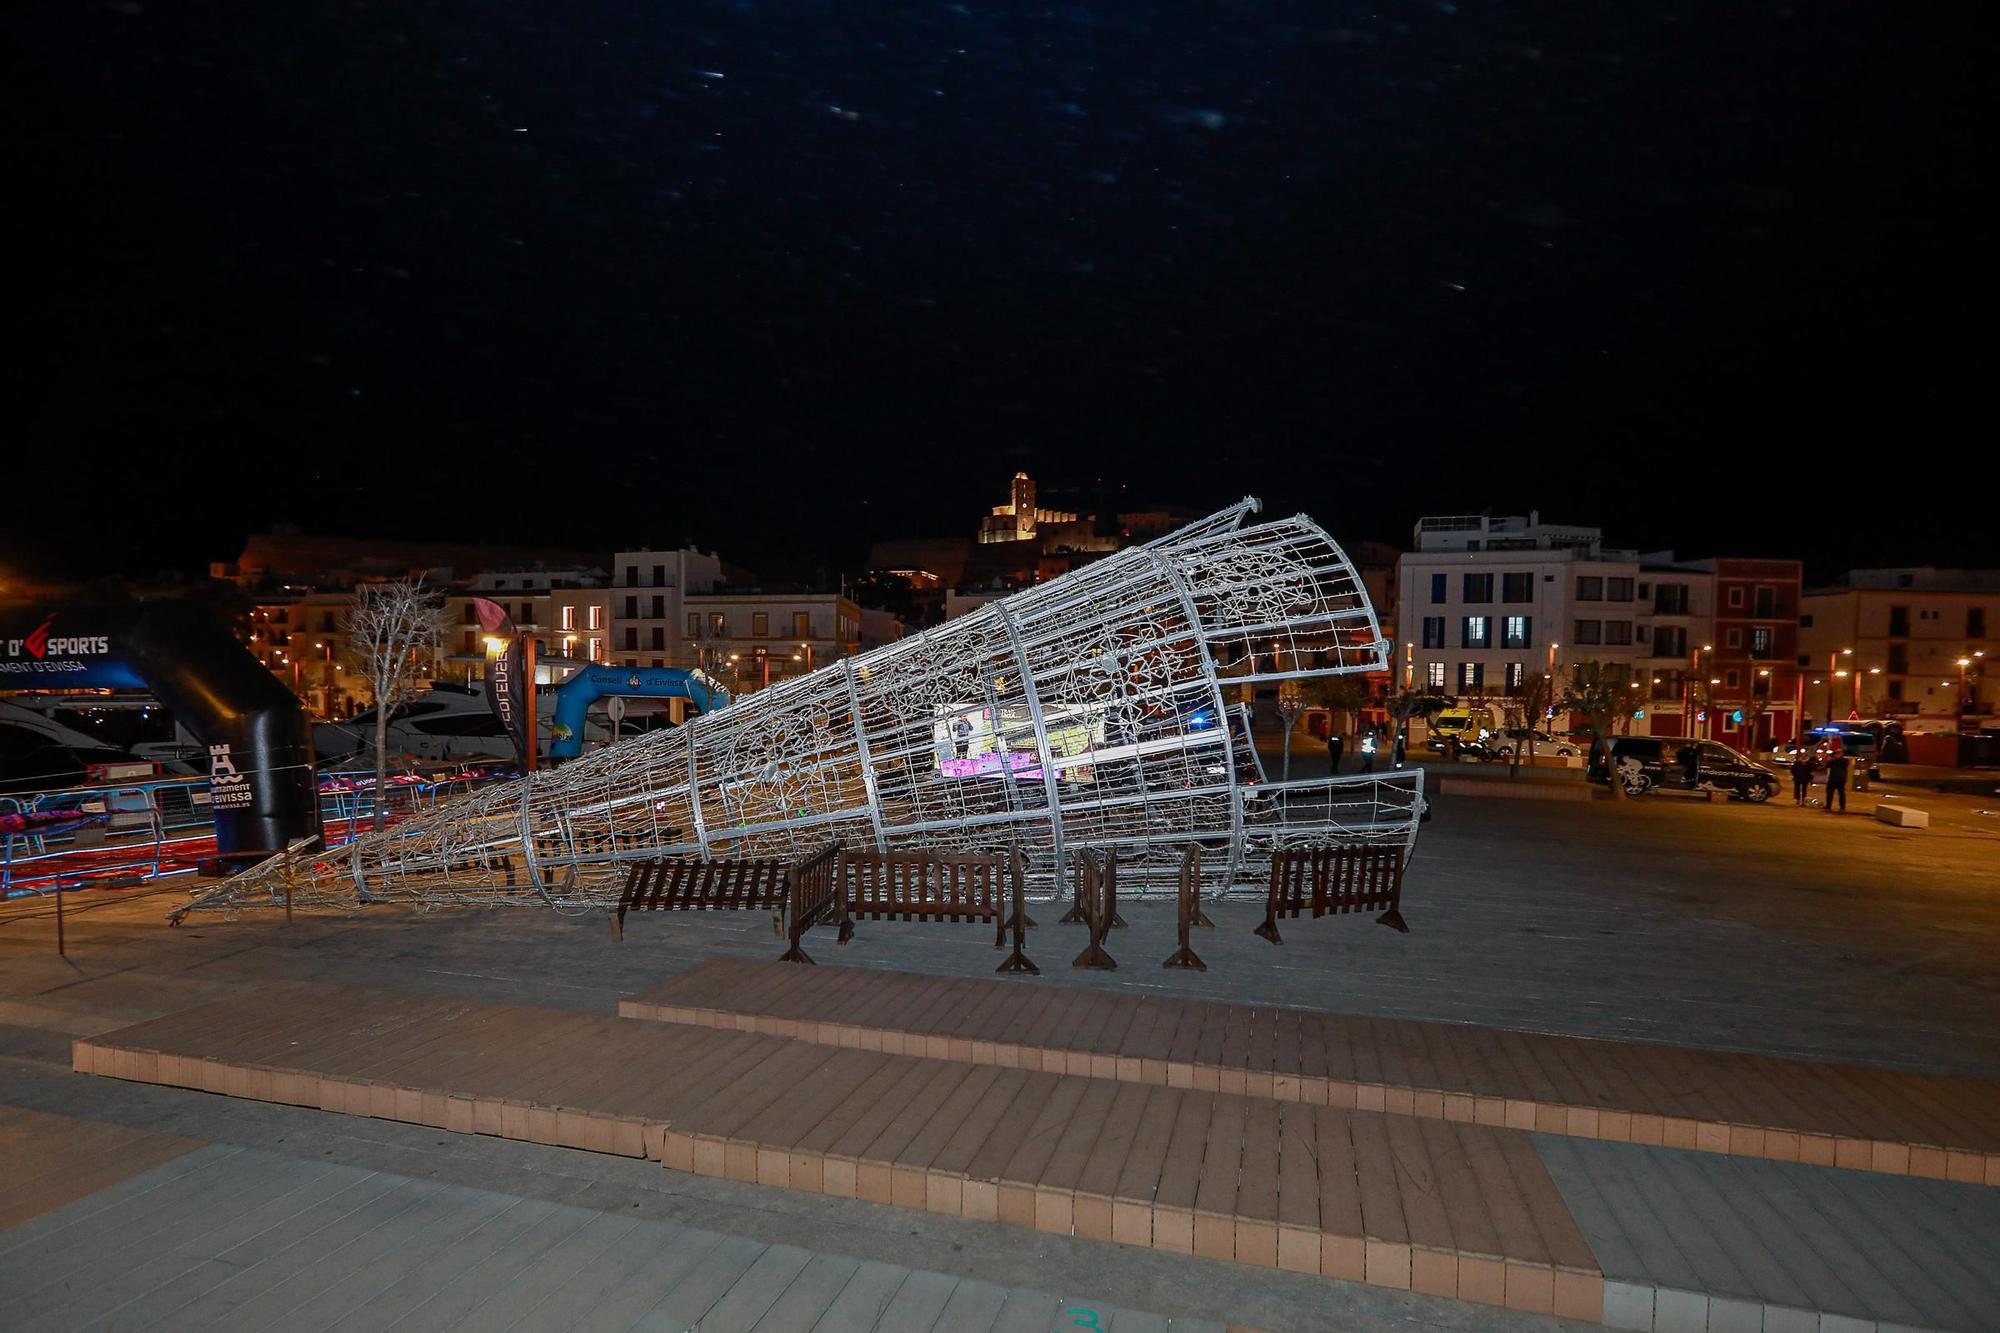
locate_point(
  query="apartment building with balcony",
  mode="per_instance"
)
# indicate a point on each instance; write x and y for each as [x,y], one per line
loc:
[748,638]
[567,612]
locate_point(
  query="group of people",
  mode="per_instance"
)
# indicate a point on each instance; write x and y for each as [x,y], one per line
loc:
[1805,762]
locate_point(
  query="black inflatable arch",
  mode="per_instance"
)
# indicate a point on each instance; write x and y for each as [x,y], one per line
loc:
[258,738]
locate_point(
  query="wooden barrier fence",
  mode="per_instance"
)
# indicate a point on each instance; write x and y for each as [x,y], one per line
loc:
[1332,881]
[1190,913]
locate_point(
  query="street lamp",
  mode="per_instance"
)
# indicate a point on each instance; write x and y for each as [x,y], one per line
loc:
[809,656]
[1963,663]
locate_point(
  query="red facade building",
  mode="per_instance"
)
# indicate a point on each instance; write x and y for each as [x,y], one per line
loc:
[1754,669]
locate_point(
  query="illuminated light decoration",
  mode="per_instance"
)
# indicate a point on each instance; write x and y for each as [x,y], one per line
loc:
[1101,709]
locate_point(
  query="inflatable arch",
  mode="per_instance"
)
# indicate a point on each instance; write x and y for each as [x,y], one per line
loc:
[575,696]
[259,744]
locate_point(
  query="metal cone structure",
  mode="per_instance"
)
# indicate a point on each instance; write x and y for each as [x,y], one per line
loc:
[1108,708]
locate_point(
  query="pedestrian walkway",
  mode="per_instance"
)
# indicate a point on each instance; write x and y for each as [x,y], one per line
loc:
[50,1161]
[228,1238]
[1714,1101]
[1462,1210]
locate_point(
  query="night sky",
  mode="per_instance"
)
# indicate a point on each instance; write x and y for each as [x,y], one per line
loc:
[785,277]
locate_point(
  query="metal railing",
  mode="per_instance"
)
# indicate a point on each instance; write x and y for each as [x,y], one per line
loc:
[121,834]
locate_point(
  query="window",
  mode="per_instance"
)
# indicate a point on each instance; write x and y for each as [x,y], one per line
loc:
[1767,601]
[631,607]
[471,642]
[1515,674]
[631,576]
[694,624]
[718,624]
[1434,675]
[1514,632]
[659,608]
[1618,632]
[1517,587]
[1670,599]
[1736,598]
[1760,642]
[1975,622]
[631,639]
[1472,677]
[1805,621]
[1760,685]
[1437,590]
[1895,689]
[595,620]
[1899,659]
[1670,640]
[760,624]
[596,650]
[1587,631]
[1734,638]
[471,617]
[1433,631]
[659,581]
[1617,590]
[659,642]
[527,613]
[1590,588]
[1478,588]
[568,617]
[1476,632]
[658,663]
[802,624]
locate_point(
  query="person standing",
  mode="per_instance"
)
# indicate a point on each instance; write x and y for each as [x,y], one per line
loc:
[1367,752]
[1836,780]
[1802,771]
[1334,743]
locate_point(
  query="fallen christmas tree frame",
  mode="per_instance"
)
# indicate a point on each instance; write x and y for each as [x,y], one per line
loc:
[1109,708]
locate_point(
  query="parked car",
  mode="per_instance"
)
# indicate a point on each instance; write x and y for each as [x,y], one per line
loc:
[1503,745]
[1648,763]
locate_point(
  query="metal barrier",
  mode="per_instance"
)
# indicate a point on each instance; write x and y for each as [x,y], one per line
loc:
[123,833]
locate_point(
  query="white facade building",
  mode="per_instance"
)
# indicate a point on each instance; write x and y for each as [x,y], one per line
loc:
[648,605]
[748,638]
[1485,601]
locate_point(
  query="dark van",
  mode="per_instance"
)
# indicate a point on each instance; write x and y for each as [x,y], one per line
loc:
[1647,763]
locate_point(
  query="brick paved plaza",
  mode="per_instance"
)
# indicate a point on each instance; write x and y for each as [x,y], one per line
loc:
[1770,931]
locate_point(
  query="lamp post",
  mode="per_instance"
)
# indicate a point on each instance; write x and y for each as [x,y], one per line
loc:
[326,678]
[1963,663]
[1290,705]
[1834,672]
[1687,688]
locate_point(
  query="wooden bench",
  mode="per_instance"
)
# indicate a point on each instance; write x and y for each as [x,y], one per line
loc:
[930,886]
[689,884]
[1096,905]
[1334,880]
[1191,914]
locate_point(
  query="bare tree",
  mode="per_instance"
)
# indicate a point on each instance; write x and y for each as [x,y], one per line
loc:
[1404,705]
[1337,694]
[393,629]
[1528,708]
[1601,693]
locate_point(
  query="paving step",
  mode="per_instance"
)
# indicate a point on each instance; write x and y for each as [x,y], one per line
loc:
[1451,1209]
[1926,1125]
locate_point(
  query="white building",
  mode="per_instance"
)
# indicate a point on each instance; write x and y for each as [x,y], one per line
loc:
[1484,601]
[749,638]
[648,605]
[566,611]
